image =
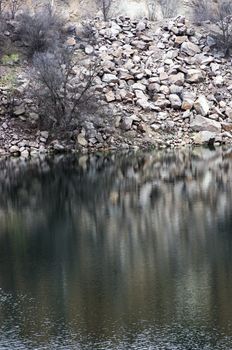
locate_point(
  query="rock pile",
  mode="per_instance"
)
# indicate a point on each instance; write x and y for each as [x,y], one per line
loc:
[163,86]
[168,82]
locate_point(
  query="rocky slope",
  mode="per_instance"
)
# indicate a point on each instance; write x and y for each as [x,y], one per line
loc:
[165,87]
[164,84]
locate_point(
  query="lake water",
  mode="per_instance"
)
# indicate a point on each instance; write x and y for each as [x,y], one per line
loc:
[117,252]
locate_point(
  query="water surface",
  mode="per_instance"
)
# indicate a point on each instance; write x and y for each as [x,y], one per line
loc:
[117,252]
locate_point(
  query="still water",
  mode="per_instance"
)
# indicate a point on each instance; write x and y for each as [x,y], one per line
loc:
[117,252]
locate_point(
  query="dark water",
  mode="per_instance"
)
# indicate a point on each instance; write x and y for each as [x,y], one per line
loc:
[117,252]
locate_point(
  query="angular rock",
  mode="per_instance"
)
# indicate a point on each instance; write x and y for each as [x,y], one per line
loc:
[110,96]
[190,48]
[188,99]
[201,105]
[127,123]
[138,86]
[109,78]
[228,112]
[177,79]
[200,123]
[194,76]
[175,101]
[19,110]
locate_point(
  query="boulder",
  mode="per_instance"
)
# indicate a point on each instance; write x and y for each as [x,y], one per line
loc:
[110,96]
[199,123]
[177,79]
[109,78]
[190,49]
[82,140]
[204,137]
[175,101]
[188,99]
[19,110]
[127,123]
[138,86]
[194,76]
[201,105]
[14,150]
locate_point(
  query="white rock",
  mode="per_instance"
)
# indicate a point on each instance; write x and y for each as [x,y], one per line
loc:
[82,140]
[204,137]
[141,26]
[138,86]
[109,78]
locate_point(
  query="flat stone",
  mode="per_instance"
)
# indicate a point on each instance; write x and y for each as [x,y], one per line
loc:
[19,110]
[204,137]
[70,41]
[109,78]
[188,99]
[199,123]
[138,86]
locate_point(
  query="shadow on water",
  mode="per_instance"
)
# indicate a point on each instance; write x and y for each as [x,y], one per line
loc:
[117,251]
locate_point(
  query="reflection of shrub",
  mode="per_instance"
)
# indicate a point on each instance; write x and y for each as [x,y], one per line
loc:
[221,15]
[40,31]
[61,96]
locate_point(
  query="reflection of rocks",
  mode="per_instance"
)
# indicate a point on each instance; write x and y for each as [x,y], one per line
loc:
[144,221]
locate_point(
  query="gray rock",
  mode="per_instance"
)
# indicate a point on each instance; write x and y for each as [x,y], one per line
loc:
[190,48]
[175,101]
[127,123]
[19,110]
[201,105]
[177,79]
[200,123]
[194,76]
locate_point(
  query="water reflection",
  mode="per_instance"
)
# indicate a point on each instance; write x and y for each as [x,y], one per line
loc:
[117,252]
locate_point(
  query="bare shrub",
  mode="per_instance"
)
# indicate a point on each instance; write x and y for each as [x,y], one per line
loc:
[14,6]
[61,95]
[105,6]
[88,33]
[2,7]
[40,31]
[220,14]
[169,8]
